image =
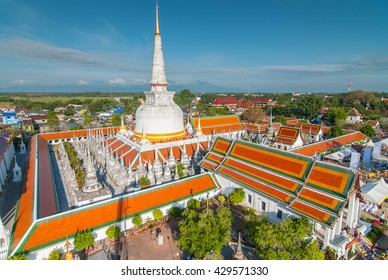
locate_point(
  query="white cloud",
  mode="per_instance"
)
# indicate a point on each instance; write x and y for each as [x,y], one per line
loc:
[83,82]
[21,82]
[139,81]
[25,48]
[117,81]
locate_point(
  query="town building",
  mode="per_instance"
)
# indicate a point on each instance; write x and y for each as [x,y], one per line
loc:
[261,101]
[354,116]
[226,102]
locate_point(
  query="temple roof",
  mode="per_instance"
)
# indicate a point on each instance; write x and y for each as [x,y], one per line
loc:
[308,128]
[254,128]
[314,189]
[220,124]
[322,146]
[287,135]
[39,222]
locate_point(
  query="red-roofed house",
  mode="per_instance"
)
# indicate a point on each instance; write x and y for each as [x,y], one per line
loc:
[373,123]
[243,105]
[228,102]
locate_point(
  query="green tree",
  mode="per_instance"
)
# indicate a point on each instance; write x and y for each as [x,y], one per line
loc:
[144,182]
[87,120]
[157,214]
[359,97]
[221,198]
[18,257]
[384,124]
[237,196]
[137,221]
[253,114]
[175,212]
[280,118]
[113,232]
[181,173]
[184,98]
[83,240]
[116,120]
[193,204]
[69,111]
[333,115]
[54,255]
[309,106]
[289,240]
[368,130]
[204,234]
[335,131]
[52,121]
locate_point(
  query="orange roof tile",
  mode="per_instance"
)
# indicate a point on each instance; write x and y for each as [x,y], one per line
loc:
[309,128]
[254,128]
[24,211]
[312,212]
[221,124]
[270,159]
[221,145]
[77,133]
[331,178]
[208,165]
[105,213]
[326,145]
[320,199]
[284,197]
[263,175]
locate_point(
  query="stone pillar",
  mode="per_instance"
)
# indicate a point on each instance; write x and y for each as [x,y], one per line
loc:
[332,234]
[338,225]
[350,214]
[327,238]
[17,173]
[356,215]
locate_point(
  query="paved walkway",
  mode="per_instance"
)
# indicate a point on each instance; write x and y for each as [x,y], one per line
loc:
[142,247]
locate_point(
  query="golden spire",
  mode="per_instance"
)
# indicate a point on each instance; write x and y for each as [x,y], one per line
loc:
[157,30]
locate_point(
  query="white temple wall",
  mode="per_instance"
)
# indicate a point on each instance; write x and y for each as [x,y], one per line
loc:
[275,211]
[99,234]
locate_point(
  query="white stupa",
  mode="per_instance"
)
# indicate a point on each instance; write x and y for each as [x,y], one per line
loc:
[159,118]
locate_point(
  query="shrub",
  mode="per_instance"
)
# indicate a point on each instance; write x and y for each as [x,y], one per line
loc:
[137,221]
[237,196]
[193,204]
[54,255]
[221,198]
[144,182]
[175,211]
[158,215]
[83,240]
[18,257]
[113,232]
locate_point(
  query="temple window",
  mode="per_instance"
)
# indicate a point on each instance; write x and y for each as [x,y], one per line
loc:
[279,214]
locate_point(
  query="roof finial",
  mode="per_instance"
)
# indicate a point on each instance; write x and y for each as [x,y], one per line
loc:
[157,30]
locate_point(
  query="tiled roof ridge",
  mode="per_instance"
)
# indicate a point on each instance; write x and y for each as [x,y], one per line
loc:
[294,150]
[264,170]
[270,185]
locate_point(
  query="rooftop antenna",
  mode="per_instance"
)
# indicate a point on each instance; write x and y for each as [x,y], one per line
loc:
[350,85]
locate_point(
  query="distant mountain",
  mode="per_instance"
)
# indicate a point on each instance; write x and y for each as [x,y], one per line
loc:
[197,86]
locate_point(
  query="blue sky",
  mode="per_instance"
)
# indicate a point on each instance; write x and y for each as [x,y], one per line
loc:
[244,45]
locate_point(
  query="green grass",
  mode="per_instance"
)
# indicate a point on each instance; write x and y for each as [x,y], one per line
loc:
[375,233]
